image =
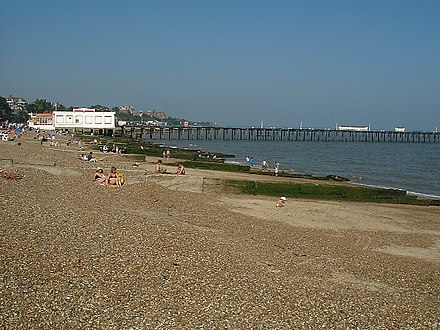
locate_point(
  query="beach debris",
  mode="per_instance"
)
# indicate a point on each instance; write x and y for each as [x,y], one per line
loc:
[10,174]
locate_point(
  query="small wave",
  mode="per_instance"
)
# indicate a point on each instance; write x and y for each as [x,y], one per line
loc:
[375,186]
[413,193]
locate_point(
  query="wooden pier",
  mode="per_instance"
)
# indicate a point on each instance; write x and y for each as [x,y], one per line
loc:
[274,134]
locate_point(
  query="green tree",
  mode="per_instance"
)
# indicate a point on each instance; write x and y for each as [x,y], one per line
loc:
[20,117]
[99,107]
[40,106]
[5,110]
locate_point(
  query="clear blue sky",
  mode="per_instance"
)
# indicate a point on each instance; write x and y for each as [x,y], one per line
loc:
[232,62]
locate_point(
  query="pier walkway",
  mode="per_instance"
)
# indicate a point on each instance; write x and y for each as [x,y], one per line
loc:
[275,134]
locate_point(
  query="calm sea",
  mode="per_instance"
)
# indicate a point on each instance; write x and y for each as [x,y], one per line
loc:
[414,167]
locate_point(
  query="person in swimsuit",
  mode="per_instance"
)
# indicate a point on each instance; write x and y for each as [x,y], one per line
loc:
[180,169]
[113,179]
[159,169]
[99,176]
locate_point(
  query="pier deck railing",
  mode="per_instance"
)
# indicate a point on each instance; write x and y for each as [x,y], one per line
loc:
[275,134]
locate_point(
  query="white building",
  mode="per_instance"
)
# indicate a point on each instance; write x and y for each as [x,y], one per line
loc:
[84,118]
[399,129]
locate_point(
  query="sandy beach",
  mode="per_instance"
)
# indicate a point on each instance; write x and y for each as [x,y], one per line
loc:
[170,252]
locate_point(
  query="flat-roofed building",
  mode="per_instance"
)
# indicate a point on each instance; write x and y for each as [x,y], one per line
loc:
[84,118]
[42,121]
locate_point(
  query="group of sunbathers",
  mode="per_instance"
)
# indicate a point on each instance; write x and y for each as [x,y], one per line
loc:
[115,180]
[112,180]
[161,170]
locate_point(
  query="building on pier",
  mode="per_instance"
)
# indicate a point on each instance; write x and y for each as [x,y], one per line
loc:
[353,128]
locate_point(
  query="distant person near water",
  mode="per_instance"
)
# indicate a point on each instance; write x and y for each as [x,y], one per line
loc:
[276,168]
[264,165]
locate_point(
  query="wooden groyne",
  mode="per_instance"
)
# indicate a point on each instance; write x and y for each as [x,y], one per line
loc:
[274,134]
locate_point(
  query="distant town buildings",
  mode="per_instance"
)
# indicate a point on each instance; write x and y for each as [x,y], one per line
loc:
[16,103]
[127,109]
[156,114]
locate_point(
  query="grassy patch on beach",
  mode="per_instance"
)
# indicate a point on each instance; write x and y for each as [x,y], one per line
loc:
[327,192]
[146,148]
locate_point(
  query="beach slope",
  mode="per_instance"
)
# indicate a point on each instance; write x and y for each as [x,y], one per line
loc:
[162,252]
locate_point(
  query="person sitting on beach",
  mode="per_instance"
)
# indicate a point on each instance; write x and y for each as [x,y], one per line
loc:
[180,169]
[281,201]
[99,176]
[90,158]
[112,179]
[159,169]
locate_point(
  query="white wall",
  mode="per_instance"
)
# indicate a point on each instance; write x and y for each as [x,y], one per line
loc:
[86,119]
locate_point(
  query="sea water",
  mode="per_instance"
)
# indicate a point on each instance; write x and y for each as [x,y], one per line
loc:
[414,167]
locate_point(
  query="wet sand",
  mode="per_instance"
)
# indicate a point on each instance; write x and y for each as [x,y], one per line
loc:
[165,252]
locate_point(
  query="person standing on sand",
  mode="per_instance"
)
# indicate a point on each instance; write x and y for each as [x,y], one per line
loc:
[264,165]
[276,168]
